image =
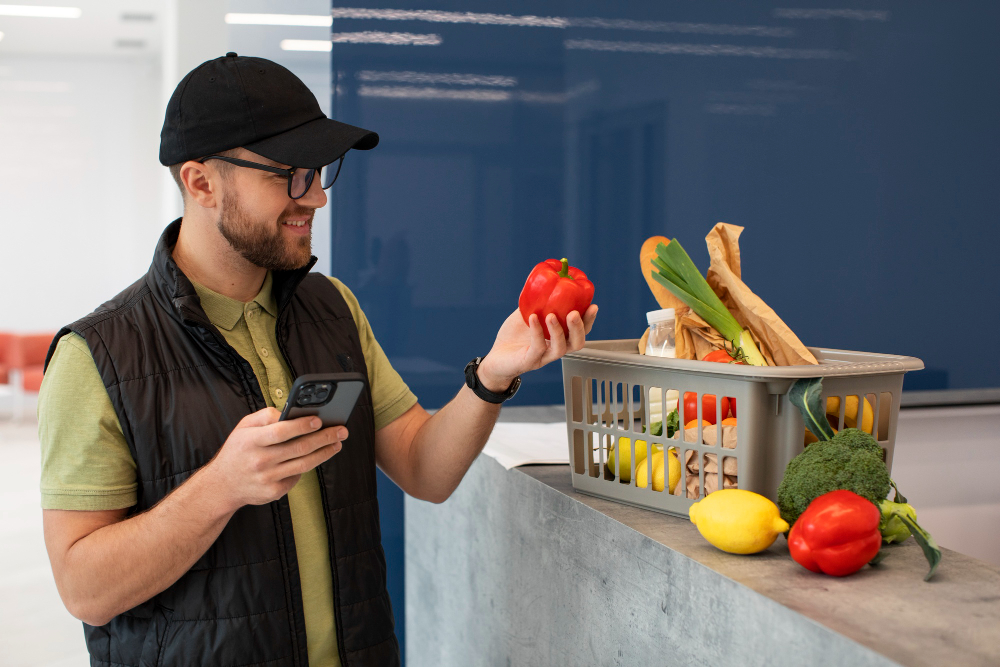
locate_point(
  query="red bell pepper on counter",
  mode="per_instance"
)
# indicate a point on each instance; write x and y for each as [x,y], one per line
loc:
[554,286]
[838,534]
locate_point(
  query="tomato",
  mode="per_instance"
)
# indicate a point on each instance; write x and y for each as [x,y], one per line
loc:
[732,407]
[721,356]
[707,407]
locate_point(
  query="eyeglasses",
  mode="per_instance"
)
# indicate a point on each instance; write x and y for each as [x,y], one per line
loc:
[299,180]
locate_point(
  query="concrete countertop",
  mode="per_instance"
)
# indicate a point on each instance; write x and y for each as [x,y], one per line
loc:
[952,620]
[517,568]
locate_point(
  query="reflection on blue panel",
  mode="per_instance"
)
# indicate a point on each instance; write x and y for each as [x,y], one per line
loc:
[857,146]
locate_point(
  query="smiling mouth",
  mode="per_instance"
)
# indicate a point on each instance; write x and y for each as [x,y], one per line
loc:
[296,223]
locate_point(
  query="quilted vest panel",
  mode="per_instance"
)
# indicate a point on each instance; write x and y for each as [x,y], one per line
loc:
[179,390]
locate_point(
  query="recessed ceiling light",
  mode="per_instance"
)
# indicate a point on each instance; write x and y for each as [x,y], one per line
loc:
[41,11]
[306,45]
[280,19]
[368,37]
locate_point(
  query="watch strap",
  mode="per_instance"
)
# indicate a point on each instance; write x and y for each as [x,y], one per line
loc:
[472,381]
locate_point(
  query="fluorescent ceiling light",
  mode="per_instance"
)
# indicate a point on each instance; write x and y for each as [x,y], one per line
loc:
[280,19]
[460,95]
[434,16]
[668,48]
[40,11]
[431,93]
[854,14]
[392,38]
[306,45]
[447,17]
[438,77]
[529,21]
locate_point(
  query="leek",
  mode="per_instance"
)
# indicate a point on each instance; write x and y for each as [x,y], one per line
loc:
[675,271]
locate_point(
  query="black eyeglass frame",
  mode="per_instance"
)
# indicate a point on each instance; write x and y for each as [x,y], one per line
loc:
[287,173]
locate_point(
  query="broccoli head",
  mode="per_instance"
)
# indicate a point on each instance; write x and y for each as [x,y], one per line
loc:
[828,466]
[858,439]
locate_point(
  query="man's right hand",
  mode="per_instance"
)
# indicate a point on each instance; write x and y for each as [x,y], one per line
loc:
[263,458]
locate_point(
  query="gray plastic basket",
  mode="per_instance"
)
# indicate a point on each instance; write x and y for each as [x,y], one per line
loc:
[608,387]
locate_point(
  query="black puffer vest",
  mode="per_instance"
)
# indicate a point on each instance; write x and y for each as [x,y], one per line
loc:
[179,390]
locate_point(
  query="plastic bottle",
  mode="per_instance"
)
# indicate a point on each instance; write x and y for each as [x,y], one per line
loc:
[661,333]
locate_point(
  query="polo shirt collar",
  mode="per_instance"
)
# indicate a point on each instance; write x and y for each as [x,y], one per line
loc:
[225,312]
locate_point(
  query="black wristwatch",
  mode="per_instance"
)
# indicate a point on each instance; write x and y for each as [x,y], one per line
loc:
[472,380]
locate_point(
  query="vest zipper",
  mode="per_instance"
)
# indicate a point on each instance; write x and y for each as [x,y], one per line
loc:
[279,334]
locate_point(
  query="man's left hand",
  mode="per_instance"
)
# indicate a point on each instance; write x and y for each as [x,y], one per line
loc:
[521,347]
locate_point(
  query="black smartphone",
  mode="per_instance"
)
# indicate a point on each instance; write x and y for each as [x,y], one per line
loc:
[330,396]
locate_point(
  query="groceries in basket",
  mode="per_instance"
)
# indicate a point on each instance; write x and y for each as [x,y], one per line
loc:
[720,313]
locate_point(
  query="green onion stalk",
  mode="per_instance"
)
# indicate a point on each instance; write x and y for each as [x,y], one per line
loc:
[676,272]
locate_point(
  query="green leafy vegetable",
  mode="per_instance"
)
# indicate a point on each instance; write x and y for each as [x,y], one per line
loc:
[675,271]
[806,395]
[931,550]
[673,425]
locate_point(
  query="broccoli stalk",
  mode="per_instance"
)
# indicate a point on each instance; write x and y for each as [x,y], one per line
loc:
[852,460]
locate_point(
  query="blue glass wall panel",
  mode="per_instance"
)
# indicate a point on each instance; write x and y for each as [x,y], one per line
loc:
[859,148]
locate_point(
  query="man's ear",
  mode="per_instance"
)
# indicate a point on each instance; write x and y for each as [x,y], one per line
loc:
[201,183]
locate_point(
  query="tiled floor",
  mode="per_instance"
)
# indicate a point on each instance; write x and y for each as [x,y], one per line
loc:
[947,461]
[35,628]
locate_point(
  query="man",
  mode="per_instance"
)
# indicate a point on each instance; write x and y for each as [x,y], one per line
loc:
[185,524]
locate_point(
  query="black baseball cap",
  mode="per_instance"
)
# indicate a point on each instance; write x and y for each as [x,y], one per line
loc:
[254,103]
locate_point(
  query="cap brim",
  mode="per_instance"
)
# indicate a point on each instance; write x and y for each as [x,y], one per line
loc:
[314,144]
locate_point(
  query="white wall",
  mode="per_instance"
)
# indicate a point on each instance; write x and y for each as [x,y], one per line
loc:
[83,197]
[79,183]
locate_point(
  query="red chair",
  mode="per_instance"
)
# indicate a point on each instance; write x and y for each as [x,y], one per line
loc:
[30,352]
[5,345]
[25,359]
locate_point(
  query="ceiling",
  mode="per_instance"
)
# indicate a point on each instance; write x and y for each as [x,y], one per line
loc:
[105,27]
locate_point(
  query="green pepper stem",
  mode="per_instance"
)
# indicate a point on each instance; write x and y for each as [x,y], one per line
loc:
[564,273]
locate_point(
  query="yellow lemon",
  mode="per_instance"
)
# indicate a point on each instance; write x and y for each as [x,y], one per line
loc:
[624,461]
[642,471]
[737,521]
[851,412]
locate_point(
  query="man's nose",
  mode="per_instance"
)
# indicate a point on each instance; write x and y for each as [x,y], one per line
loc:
[315,197]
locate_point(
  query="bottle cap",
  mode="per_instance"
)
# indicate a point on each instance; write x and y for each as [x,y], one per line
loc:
[654,316]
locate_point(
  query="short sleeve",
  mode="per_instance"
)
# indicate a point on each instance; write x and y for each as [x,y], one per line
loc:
[390,394]
[86,462]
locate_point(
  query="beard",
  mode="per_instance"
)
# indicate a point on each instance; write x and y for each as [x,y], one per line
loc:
[261,242]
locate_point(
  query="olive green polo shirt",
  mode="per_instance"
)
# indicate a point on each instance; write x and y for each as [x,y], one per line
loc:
[86,463]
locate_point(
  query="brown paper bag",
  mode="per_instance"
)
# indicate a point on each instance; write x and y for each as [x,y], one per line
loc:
[711,484]
[729,465]
[695,338]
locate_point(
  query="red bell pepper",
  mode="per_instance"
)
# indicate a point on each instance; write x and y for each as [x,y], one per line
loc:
[838,534]
[554,286]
